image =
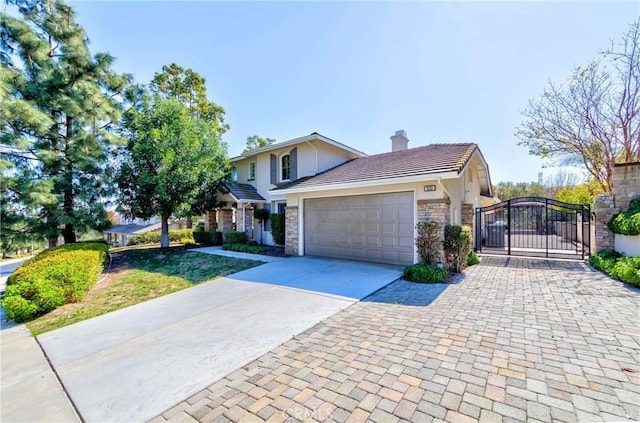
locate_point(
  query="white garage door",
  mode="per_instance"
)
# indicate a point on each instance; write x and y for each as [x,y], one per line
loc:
[377,227]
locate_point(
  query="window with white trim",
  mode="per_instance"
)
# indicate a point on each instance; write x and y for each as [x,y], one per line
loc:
[285,167]
[252,171]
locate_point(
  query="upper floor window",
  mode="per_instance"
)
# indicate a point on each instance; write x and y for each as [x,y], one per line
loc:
[234,174]
[252,170]
[285,168]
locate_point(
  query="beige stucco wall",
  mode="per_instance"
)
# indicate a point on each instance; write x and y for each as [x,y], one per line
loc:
[313,157]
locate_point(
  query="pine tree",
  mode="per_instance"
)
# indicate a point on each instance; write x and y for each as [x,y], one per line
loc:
[59,107]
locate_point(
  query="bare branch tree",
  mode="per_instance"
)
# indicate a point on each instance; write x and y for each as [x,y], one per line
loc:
[594,118]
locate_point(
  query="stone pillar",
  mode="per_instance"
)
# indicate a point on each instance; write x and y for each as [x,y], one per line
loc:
[210,221]
[225,223]
[291,231]
[248,223]
[467,215]
[435,211]
[626,184]
[604,209]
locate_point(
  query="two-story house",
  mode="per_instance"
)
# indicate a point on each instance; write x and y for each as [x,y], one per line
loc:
[341,203]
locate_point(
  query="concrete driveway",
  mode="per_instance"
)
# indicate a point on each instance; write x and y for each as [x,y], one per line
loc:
[132,364]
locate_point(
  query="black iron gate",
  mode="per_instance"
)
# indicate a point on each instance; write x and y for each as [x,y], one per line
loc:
[534,226]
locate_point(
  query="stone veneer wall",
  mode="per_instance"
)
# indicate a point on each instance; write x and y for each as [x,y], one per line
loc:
[626,186]
[604,209]
[248,223]
[291,231]
[467,215]
[211,221]
[435,211]
[225,220]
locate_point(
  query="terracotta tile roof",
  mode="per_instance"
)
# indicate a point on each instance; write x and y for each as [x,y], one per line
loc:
[244,192]
[433,158]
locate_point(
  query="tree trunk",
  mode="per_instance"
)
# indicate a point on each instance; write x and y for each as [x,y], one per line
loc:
[189,222]
[68,232]
[53,241]
[164,232]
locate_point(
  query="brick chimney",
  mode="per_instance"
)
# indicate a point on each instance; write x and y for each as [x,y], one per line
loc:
[399,141]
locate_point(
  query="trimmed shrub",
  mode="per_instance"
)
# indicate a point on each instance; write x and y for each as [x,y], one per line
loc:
[244,248]
[208,237]
[627,269]
[175,235]
[612,263]
[235,237]
[261,214]
[627,222]
[423,272]
[473,259]
[428,241]
[54,277]
[457,246]
[277,228]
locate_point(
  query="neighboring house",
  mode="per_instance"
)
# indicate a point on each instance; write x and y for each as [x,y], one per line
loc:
[341,203]
[120,234]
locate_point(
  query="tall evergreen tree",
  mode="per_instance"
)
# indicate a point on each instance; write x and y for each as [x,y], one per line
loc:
[59,105]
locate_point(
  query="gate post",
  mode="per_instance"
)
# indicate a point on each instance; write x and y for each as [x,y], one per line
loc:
[509,227]
[478,238]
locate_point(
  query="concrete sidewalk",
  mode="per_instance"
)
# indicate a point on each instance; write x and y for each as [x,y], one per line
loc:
[30,390]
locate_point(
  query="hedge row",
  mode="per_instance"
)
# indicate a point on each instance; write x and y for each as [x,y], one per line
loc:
[626,269]
[207,237]
[235,237]
[244,248]
[54,277]
[177,235]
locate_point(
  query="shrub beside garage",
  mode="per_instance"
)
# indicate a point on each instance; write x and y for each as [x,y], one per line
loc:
[52,278]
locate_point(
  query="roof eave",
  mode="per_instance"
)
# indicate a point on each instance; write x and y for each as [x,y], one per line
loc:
[299,140]
[368,183]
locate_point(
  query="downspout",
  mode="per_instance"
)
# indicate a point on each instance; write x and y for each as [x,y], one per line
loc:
[316,148]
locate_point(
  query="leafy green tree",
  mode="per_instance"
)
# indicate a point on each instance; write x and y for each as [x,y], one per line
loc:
[581,194]
[188,87]
[173,163]
[593,119]
[59,104]
[508,190]
[255,142]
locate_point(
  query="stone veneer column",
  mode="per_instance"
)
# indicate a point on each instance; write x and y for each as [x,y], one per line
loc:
[467,215]
[435,211]
[210,220]
[248,223]
[225,220]
[604,209]
[291,231]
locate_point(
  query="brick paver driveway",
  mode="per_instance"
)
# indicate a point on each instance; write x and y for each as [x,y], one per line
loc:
[512,340]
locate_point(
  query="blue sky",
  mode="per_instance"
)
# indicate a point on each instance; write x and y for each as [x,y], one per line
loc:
[357,72]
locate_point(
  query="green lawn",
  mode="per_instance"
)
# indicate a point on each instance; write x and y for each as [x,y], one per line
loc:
[141,274]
